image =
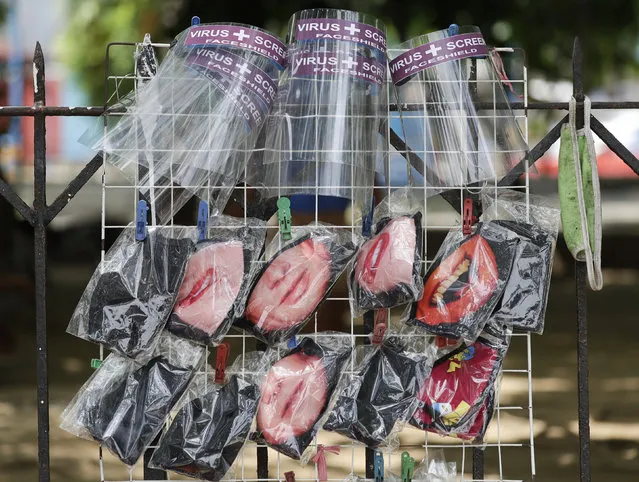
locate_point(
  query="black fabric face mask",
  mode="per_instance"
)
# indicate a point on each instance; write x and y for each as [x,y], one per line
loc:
[208,432]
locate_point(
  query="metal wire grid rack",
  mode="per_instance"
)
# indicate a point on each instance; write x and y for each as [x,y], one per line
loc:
[259,463]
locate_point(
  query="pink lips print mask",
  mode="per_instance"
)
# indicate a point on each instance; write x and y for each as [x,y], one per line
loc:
[386,272]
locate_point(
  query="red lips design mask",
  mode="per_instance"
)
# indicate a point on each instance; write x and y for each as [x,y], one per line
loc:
[386,271]
[458,397]
[296,392]
[465,282]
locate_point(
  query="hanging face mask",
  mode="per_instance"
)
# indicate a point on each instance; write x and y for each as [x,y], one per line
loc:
[465,282]
[458,397]
[297,390]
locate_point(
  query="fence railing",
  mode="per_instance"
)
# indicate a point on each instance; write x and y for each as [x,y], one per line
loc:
[41,214]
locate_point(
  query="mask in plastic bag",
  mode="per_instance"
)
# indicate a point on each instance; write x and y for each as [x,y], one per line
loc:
[465,282]
[209,431]
[295,281]
[386,272]
[297,390]
[381,391]
[458,397]
[125,403]
[216,284]
[131,294]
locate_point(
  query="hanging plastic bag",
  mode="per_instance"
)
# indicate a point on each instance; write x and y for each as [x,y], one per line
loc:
[131,294]
[125,402]
[206,103]
[435,468]
[211,427]
[458,397]
[297,390]
[387,269]
[465,282]
[217,279]
[295,280]
[536,223]
[375,399]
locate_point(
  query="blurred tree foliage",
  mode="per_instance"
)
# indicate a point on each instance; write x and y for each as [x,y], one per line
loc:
[609,30]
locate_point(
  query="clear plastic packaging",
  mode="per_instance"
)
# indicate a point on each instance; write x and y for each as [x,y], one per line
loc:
[465,282]
[131,294]
[458,397]
[435,468]
[455,113]
[295,280]
[374,400]
[523,305]
[327,131]
[217,279]
[387,269]
[297,390]
[125,403]
[209,99]
[212,426]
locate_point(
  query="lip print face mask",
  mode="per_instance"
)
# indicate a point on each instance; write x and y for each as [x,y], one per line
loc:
[386,272]
[465,282]
[215,285]
[131,294]
[296,392]
[294,283]
[381,392]
[458,397]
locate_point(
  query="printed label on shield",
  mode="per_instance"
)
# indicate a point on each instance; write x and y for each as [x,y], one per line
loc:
[309,64]
[435,53]
[333,29]
[249,76]
[241,37]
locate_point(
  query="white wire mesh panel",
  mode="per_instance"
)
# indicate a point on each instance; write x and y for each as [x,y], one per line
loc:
[509,443]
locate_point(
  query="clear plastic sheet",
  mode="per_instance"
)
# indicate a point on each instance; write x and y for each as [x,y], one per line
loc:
[455,113]
[125,402]
[387,269]
[131,294]
[295,280]
[209,99]
[465,282]
[372,402]
[434,468]
[217,279]
[458,397]
[297,390]
[327,131]
[210,429]
[523,305]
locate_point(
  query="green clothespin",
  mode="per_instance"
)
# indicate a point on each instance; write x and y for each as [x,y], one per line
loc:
[408,466]
[96,363]
[284,217]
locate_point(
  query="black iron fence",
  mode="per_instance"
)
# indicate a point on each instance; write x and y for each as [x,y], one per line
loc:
[41,214]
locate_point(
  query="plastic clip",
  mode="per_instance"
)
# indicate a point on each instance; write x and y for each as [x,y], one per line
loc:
[140,221]
[290,476]
[96,363]
[220,362]
[320,459]
[378,333]
[284,217]
[202,219]
[195,20]
[378,466]
[469,217]
[408,466]
[453,29]
[292,342]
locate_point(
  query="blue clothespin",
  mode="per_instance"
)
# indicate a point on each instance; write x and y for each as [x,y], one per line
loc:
[378,466]
[292,343]
[202,219]
[367,221]
[284,217]
[453,29]
[195,20]
[140,221]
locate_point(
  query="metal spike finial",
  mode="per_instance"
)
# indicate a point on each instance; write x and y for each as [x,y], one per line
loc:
[38,77]
[577,70]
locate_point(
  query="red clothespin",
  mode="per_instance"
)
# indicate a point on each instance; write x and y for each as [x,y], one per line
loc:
[442,342]
[320,459]
[290,476]
[378,333]
[469,217]
[220,362]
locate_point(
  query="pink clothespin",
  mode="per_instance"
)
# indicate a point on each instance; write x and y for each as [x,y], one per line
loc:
[320,459]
